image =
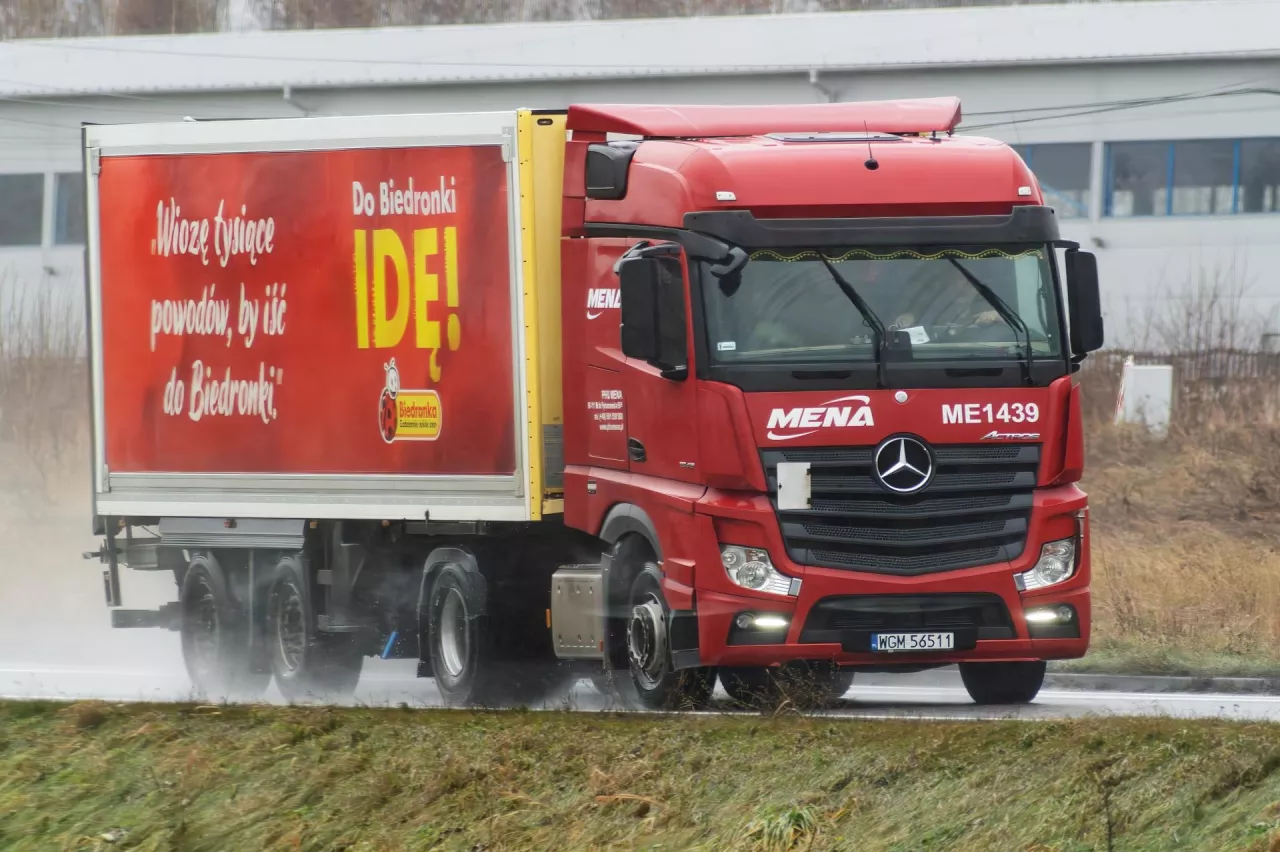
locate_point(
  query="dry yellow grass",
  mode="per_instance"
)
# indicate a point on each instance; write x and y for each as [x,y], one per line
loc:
[1186,569]
[1196,588]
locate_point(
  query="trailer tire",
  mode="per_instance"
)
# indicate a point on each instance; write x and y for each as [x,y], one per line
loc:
[307,664]
[456,641]
[1003,683]
[214,631]
[658,684]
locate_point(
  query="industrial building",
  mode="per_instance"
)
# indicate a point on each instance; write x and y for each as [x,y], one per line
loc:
[1155,125]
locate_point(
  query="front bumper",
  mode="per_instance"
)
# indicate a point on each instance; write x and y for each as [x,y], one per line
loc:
[752,522]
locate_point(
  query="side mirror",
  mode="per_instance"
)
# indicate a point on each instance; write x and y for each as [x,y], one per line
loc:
[653,315]
[1084,302]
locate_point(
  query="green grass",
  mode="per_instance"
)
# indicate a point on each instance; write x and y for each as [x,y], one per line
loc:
[238,778]
[1154,657]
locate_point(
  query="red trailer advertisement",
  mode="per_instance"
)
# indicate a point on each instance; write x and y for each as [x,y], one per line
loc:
[345,312]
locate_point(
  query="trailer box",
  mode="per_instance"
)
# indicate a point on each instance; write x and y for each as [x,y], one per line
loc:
[322,318]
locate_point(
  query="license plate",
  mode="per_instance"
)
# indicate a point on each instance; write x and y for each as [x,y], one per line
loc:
[889,643]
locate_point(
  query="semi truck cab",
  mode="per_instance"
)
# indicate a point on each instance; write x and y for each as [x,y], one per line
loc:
[827,372]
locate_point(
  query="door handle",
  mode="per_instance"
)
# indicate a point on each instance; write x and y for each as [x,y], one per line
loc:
[635,450]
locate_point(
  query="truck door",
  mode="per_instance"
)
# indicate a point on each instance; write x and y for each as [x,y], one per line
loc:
[658,374]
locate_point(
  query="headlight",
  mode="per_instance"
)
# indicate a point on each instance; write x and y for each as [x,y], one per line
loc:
[751,568]
[1056,565]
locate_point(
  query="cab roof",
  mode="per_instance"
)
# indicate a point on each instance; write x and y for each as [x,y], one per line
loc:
[817,176]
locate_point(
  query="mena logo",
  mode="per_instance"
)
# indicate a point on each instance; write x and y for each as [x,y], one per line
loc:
[602,298]
[826,416]
[407,415]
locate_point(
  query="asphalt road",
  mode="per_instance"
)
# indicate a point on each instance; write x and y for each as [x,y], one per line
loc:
[929,695]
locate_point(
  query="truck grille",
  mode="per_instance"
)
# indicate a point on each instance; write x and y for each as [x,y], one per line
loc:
[974,512]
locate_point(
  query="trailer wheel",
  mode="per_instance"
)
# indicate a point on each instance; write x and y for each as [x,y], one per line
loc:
[455,635]
[307,664]
[658,684]
[215,635]
[1003,683]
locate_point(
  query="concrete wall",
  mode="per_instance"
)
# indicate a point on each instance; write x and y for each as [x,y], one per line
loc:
[1143,261]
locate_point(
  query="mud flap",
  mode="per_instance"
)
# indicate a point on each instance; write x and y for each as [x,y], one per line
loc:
[683,633]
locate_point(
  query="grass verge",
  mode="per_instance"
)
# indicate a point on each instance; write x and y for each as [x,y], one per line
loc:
[1119,657]
[217,778]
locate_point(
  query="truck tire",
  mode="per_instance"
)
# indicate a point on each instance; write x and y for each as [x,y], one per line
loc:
[307,664]
[456,643]
[748,686]
[1003,683]
[808,685]
[215,636]
[658,684]
[822,682]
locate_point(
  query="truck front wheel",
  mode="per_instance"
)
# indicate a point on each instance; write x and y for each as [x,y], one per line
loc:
[215,635]
[808,685]
[1003,683]
[307,664]
[658,684]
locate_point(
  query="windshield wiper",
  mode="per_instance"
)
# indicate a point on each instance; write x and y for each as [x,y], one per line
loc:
[1008,314]
[877,327]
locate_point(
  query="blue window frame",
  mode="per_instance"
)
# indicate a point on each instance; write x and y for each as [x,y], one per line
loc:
[1193,177]
[1063,170]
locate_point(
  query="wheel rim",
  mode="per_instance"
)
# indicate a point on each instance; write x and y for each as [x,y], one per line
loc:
[291,628]
[453,633]
[647,641]
[206,629]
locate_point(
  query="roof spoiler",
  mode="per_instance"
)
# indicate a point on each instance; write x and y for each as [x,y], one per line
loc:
[915,116]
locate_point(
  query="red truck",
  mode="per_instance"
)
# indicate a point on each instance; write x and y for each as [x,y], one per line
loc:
[684,392]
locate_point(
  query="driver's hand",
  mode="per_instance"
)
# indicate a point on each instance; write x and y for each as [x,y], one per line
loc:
[987,318]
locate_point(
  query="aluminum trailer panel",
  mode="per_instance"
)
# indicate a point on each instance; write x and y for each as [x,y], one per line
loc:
[311,318]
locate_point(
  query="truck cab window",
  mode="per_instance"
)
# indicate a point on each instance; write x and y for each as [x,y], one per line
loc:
[788,307]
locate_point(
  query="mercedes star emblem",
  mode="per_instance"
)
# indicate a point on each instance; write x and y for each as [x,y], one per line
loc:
[903,464]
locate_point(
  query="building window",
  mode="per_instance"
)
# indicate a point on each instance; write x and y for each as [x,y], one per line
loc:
[68,209]
[1203,178]
[1063,172]
[1259,176]
[21,209]
[1193,178]
[1138,178]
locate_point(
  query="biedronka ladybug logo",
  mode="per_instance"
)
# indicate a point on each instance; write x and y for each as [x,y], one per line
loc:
[407,415]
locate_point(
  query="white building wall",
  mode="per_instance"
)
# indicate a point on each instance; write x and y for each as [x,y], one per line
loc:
[1143,261]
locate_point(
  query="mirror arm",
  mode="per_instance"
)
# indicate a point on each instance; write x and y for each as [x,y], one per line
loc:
[644,248]
[630,253]
[675,374]
[736,259]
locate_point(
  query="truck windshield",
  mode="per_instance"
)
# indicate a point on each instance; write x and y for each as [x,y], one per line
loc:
[787,307]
